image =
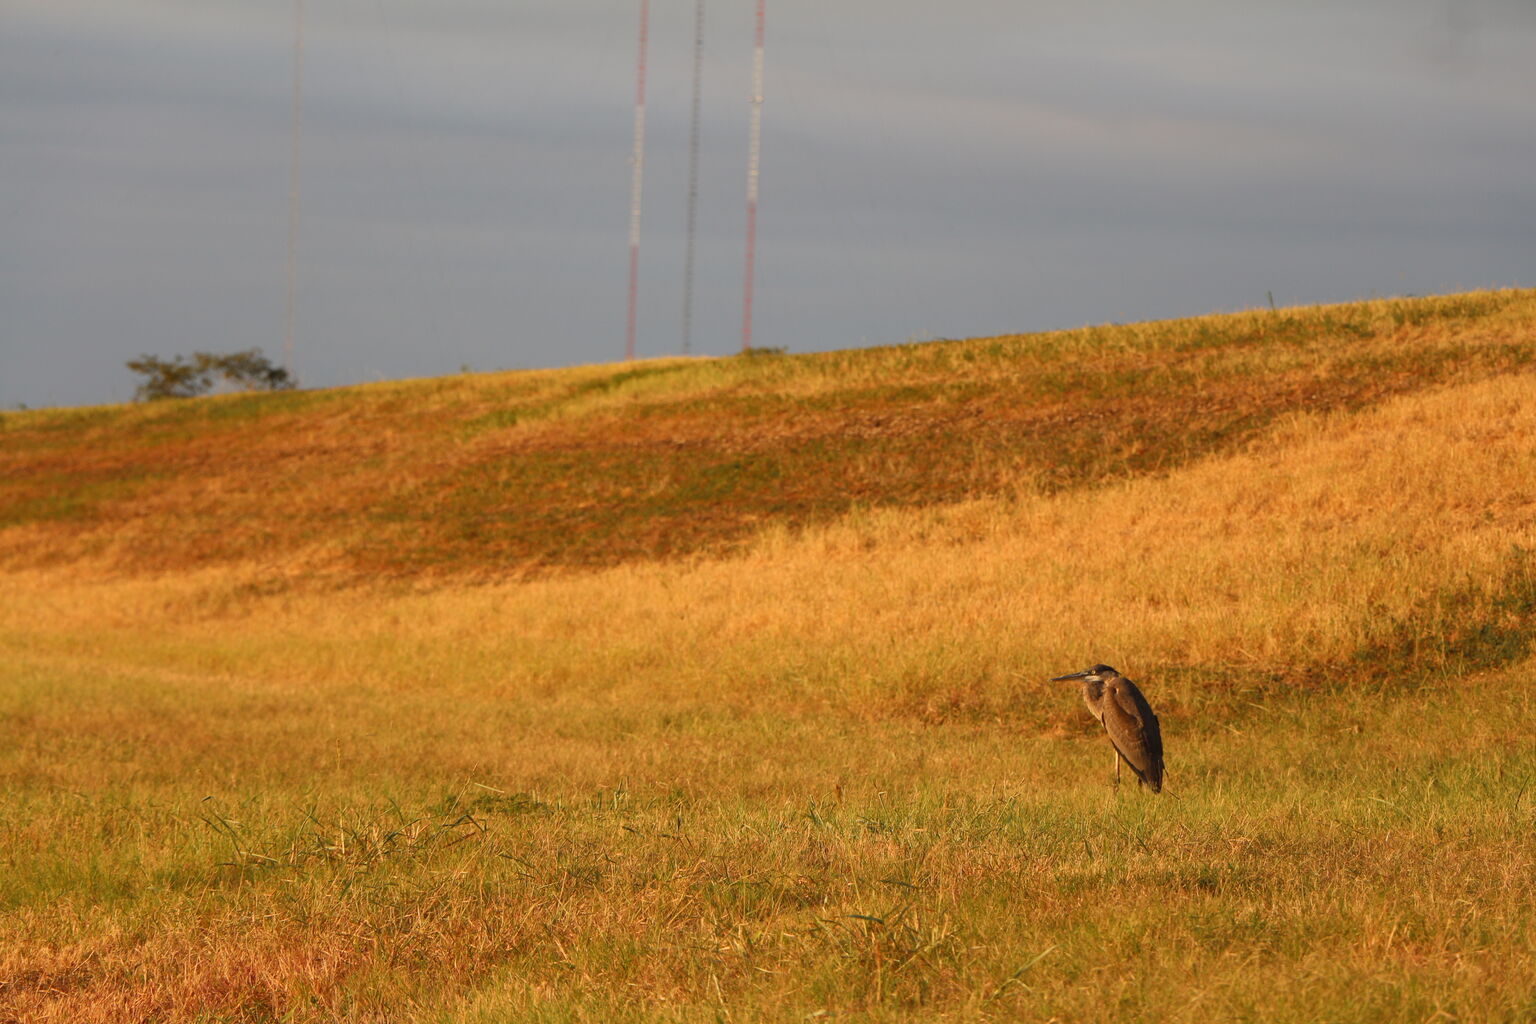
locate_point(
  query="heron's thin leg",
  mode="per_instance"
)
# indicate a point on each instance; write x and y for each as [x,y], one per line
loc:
[1116,755]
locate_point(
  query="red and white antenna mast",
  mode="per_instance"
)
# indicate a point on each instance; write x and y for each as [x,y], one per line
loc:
[754,158]
[691,229]
[638,162]
[293,183]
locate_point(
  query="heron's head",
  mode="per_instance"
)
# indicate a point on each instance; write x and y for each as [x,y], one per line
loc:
[1097,674]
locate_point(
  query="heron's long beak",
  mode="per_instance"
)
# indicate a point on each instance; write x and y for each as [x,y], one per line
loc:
[1075,675]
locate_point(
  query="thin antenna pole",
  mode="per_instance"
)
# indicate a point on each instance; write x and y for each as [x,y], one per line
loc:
[754,159]
[638,162]
[693,174]
[293,183]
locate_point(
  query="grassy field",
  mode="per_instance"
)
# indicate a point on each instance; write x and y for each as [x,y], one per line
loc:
[715,690]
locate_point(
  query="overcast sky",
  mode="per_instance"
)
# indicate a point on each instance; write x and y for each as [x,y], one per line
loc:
[929,170]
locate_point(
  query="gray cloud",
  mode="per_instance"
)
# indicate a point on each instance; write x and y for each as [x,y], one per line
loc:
[971,168]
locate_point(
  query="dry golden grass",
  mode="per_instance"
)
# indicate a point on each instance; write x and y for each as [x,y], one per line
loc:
[499,476]
[1294,552]
[821,776]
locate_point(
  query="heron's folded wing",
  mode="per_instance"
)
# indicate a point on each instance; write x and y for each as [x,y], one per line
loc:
[1133,729]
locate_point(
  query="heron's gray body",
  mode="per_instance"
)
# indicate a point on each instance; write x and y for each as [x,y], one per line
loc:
[1128,719]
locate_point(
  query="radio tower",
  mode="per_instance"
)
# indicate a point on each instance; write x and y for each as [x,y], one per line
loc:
[293,182]
[693,174]
[754,157]
[639,176]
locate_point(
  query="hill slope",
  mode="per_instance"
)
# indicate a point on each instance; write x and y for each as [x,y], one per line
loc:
[378,705]
[502,474]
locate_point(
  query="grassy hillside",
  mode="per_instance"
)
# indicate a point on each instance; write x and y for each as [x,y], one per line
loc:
[495,475]
[715,690]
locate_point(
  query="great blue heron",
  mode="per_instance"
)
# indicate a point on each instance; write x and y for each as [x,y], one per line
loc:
[1115,701]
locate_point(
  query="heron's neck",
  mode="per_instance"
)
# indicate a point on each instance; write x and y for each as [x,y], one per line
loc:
[1093,691]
